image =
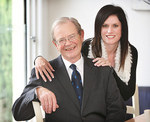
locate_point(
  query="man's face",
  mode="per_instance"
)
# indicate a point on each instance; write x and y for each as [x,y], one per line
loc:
[68,41]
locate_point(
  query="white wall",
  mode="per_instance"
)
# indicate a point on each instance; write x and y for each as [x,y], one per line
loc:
[18,49]
[85,11]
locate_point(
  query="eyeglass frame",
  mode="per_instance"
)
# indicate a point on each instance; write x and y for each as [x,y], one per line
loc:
[64,39]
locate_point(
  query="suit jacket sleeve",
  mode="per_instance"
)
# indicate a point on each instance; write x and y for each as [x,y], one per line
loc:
[22,108]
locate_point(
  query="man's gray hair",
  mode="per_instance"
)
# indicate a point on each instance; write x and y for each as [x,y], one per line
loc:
[64,20]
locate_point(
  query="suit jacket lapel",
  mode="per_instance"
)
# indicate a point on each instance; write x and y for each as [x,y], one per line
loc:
[63,77]
[89,79]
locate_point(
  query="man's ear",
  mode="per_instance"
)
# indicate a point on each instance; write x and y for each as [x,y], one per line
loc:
[82,35]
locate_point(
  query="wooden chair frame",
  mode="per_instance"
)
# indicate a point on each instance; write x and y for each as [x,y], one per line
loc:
[38,112]
[134,109]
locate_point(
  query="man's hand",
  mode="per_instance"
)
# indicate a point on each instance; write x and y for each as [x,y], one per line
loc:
[47,99]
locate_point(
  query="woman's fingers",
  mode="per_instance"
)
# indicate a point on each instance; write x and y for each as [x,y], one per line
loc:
[101,62]
[44,68]
[50,67]
[50,72]
[47,74]
[37,73]
[96,59]
[42,75]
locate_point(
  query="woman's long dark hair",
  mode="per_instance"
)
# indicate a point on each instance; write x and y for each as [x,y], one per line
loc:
[101,16]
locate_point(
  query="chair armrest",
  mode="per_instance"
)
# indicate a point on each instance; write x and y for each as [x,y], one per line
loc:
[37,111]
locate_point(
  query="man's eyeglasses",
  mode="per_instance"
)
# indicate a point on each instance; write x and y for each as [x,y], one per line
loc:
[71,38]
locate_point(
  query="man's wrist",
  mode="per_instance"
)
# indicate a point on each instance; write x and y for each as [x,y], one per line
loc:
[36,91]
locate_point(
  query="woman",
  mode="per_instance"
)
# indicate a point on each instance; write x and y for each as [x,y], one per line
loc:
[110,46]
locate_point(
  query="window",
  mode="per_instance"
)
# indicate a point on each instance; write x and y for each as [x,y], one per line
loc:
[12,55]
[5,60]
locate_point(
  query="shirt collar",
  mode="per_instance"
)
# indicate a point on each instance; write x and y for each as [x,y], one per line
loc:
[79,63]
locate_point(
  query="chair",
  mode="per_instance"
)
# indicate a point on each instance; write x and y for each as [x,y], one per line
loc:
[134,109]
[38,111]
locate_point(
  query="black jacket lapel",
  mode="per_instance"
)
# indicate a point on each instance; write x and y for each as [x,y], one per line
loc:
[89,79]
[64,80]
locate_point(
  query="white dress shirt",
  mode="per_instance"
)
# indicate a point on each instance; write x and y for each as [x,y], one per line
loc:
[79,67]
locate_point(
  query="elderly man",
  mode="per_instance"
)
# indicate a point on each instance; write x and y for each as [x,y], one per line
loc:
[80,92]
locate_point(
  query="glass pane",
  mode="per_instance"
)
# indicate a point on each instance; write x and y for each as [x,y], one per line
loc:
[5,61]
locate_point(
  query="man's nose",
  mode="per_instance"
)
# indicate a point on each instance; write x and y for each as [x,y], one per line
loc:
[67,42]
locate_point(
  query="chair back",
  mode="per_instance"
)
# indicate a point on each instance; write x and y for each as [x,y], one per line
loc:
[134,109]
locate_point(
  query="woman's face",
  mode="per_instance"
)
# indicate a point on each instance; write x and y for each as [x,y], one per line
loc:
[111,30]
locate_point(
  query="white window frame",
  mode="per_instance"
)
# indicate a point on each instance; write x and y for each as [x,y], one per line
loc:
[34,28]
[18,48]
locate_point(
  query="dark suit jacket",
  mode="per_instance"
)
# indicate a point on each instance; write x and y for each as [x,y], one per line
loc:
[102,101]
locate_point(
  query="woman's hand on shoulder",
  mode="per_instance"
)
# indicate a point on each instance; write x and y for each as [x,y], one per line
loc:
[42,66]
[101,62]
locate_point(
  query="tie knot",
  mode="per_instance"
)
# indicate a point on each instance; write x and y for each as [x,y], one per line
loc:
[73,67]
